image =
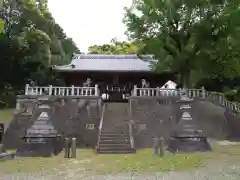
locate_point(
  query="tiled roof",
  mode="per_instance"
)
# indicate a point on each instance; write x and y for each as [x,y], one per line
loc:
[108,62]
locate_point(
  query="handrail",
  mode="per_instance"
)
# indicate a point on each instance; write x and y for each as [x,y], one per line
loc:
[61,91]
[130,125]
[101,124]
[132,143]
[221,100]
[214,97]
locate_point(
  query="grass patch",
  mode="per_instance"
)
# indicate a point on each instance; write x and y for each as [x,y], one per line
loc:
[30,164]
[6,115]
[142,161]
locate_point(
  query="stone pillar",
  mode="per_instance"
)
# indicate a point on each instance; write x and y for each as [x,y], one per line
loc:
[161,146]
[1,132]
[50,90]
[158,91]
[18,106]
[203,93]
[135,90]
[96,90]
[155,145]
[73,148]
[26,89]
[67,148]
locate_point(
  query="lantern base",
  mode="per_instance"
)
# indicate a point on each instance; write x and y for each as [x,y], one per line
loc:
[188,144]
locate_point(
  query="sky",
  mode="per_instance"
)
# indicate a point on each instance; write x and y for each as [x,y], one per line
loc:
[90,22]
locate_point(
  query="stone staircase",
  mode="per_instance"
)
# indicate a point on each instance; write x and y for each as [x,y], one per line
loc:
[114,137]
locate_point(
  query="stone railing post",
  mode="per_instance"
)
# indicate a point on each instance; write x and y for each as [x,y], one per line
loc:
[203,93]
[158,91]
[26,89]
[18,106]
[72,90]
[96,90]
[50,90]
[135,90]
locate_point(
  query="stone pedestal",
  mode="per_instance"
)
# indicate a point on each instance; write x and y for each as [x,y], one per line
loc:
[187,137]
[41,138]
[1,132]
[182,105]
[2,149]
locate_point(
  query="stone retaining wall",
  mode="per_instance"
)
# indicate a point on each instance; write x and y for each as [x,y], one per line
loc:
[233,128]
[155,117]
[71,116]
[151,119]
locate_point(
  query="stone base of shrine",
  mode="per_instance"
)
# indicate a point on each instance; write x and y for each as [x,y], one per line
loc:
[186,144]
[40,149]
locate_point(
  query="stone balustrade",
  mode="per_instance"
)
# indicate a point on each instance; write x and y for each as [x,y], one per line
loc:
[219,99]
[216,98]
[152,92]
[61,91]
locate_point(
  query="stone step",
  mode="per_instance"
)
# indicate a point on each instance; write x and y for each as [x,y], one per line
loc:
[114,138]
[116,111]
[111,141]
[119,146]
[110,124]
[114,146]
[116,121]
[113,134]
[115,151]
[117,130]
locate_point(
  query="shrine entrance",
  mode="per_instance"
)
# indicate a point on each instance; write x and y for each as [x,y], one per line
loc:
[116,91]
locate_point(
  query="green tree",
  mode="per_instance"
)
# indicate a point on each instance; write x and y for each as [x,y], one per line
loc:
[115,47]
[30,41]
[187,37]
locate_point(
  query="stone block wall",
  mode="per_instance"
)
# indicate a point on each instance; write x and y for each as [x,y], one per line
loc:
[233,126]
[151,118]
[23,118]
[156,117]
[72,116]
[80,118]
[210,118]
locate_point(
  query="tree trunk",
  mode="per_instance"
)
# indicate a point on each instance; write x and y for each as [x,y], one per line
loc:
[185,79]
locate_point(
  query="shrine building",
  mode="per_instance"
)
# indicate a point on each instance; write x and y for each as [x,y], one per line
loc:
[115,74]
[112,69]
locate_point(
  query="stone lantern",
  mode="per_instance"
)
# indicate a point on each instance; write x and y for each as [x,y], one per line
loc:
[41,139]
[186,136]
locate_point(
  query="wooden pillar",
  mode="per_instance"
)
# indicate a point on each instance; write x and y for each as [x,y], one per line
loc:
[116,79]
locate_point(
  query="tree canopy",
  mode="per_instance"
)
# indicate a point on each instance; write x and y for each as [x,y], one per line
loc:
[30,42]
[188,37]
[115,47]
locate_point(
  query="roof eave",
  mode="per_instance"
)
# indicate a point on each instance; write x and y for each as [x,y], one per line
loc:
[92,70]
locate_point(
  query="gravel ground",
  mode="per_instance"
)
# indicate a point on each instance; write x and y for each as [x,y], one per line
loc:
[225,172]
